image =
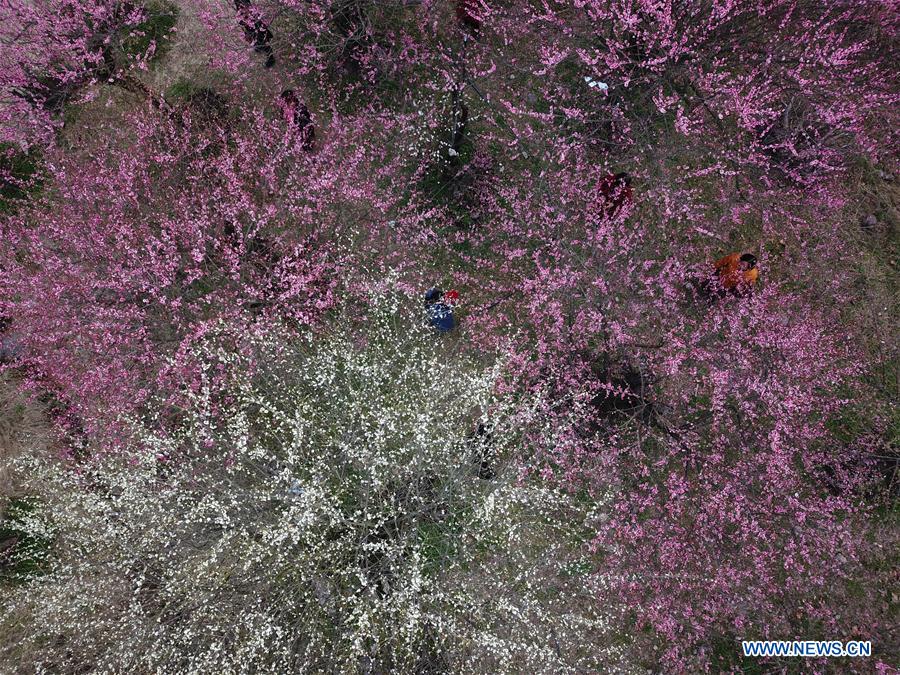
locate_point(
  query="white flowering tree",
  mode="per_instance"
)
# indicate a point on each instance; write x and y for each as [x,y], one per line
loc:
[343,503]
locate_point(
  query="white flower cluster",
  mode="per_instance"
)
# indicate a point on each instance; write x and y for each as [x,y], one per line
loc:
[596,84]
[343,502]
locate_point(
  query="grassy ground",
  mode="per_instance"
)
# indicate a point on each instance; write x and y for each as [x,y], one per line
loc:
[23,431]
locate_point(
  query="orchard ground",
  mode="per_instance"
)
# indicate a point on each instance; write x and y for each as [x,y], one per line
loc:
[728,468]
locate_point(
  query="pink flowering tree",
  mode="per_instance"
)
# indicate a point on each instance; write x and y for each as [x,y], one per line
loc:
[55,50]
[141,245]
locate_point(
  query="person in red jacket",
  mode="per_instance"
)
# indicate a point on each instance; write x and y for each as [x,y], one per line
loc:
[615,190]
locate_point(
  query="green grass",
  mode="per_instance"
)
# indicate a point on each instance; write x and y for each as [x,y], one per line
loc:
[440,539]
[19,177]
[184,90]
[437,544]
[203,100]
[155,29]
[27,556]
[727,657]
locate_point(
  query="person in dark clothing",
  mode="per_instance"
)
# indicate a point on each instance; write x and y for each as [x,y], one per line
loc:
[439,309]
[467,15]
[483,455]
[10,342]
[460,121]
[297,115]
[256,31]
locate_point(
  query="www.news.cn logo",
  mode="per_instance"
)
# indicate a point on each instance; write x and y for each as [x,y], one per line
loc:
[806,648]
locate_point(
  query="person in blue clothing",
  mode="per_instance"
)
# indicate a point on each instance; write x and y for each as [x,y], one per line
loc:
[439,309]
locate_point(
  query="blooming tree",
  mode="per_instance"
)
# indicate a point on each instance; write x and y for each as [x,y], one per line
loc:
[187,237]
[318,503]
[53,51]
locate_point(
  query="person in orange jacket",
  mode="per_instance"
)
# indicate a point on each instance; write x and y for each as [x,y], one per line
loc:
[736,273]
